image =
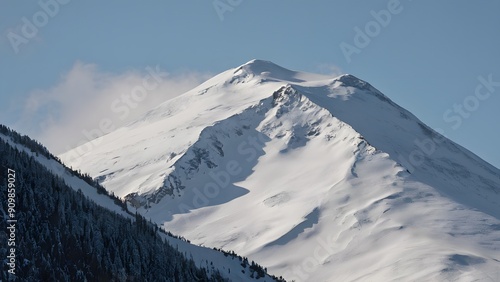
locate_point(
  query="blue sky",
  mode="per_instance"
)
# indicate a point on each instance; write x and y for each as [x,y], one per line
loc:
[429,57]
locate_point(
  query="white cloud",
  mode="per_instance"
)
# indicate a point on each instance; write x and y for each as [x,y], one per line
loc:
[329,69]
[84,96]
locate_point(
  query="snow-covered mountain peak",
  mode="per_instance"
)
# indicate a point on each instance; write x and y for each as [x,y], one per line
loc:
[259,66]
[353,81]
[284,92]
[331,159]
[264,71]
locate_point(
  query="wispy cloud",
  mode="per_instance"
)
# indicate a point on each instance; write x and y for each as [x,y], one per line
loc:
[329,69]
[85,95]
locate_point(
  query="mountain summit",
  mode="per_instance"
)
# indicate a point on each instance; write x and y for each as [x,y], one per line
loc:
[269,70]
[316,178]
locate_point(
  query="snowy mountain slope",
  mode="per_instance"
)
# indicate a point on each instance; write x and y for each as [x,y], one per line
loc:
[71,180]
[228,266]
[423,151]
[318,179]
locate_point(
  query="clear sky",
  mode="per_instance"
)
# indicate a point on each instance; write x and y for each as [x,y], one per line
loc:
[62,63]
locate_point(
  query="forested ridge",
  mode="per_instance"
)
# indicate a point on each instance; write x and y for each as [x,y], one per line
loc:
[63,236]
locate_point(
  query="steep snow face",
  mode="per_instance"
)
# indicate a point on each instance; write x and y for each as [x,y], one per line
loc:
[433,159]
[136,158]
[207,258]
[318,179]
